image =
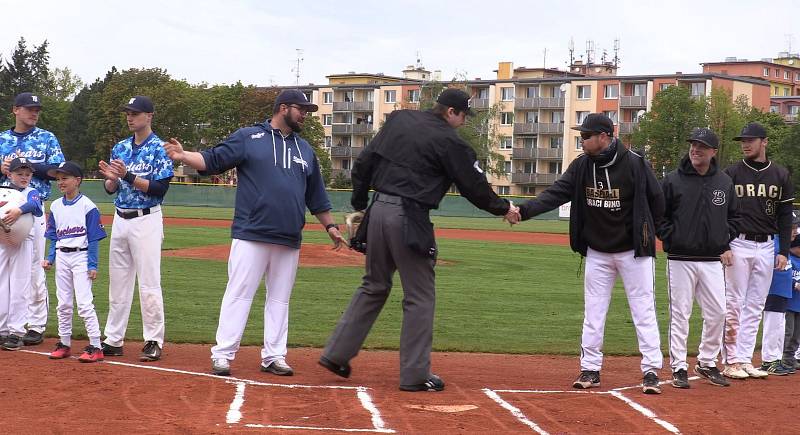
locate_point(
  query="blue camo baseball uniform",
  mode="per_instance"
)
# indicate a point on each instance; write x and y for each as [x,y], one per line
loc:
[38,146]
[149,161]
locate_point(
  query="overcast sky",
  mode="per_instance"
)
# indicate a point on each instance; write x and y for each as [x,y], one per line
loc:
[256,41]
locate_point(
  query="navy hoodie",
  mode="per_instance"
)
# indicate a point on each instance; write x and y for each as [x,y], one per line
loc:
[278,177]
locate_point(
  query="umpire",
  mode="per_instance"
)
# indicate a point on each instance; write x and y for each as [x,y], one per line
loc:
[410,164]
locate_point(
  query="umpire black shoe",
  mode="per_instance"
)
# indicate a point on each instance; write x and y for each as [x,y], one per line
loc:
[650,383]
[680,379]
[32,338]
[336,369]
[433,383]
[587,379]
[150,352]
[109,350]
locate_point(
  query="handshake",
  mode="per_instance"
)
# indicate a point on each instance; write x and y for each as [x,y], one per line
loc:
[512,216]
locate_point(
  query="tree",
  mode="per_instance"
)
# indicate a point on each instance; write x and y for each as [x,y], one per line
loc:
[256,104]
[25,71]
[724,119]
[314,133]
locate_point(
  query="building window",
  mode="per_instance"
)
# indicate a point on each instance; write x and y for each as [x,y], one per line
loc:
[786,92]
[766,72]
[308,95]
[507,167]
[413,95]
[507,118]
[554,168]
[698,89]
[327,119]
[578,143]
[328,141]
[557,117]
[794,110]
[348,96]
[504,190]
[505,143]
[532,92]
[529,142]
[774,109]
[327,97]
[611,114]
[483,93]
[531,117]
[556,141]
[584,92]
[506,94]
[345,164]
[390,96]
[777,73]
[664,86]
[370,96]
[530,168]
[776,91]
[580,116]
[611,92]
[786,75]
[639,90]
[797,77]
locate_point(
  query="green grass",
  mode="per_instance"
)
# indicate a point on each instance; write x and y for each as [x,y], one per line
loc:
[493,297]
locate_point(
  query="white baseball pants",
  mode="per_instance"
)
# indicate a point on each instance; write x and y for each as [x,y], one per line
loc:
[747,285]
[38,300]
[135,252]
[248,263]
[704,281]
[72,279]
[772,336]
[637,277]
[15,282]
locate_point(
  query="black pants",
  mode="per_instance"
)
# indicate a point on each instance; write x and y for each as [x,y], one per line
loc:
[792,338]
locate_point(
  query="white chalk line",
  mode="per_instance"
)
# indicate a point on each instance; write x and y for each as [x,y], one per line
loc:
[516,412]
[646,412]
[693,378]
[361,391]
[234,411]
[280,426]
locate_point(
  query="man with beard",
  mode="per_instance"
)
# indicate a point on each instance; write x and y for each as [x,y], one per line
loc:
[279,176]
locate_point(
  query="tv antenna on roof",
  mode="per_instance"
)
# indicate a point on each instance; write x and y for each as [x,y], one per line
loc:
[296,69]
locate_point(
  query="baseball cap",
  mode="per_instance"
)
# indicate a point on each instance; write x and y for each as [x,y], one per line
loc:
[27,99]
[455,98]
[705,136]
[596,123]
[752,129]
[69,168]
[20,162]
[795,217]
[139,103]
[294,96]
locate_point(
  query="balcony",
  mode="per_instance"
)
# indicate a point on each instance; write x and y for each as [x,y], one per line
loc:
[537,153]
[353,106]
[337,172]
[540,179]
[351,128]
[628,127]
[633,101]
[790,117]
[346,151]
[479,103]
[539,103]
[539,128]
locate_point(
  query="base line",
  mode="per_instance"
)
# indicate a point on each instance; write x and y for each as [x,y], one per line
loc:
[516,412]
[646,412]
[234,412]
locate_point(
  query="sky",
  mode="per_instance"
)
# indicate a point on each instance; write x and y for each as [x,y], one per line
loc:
[256,42]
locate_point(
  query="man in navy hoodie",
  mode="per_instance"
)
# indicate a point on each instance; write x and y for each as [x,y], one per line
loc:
[279,176]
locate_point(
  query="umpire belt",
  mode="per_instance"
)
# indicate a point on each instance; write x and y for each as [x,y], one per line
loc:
[760,238]
[130,214]
[389,199]
[72,249]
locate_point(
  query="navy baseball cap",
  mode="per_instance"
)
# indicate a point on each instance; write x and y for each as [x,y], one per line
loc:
[752,129]
[705,136]
[455,98]
[20,162]
[27,99]
[596,123]
[69,168]
[139,103]
[294,96]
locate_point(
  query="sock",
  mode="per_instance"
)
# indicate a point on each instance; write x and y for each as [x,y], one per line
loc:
[66,340]
[95,341]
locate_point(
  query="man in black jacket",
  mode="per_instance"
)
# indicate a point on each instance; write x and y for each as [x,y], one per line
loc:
[411,164]
[698,225]
[615,201]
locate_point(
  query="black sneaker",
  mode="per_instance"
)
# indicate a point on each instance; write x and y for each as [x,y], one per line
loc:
[650,383]
[109,350]
[150,352]
[433,383]
[713,375]
[12,342]
[32,338]
[775,368]
[790,366]
[338,370]
[680,379]
[587,379]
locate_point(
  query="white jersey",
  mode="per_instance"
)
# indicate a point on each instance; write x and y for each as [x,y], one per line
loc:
[73,224]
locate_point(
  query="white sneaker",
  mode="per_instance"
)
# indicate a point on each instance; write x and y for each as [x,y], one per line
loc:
[277,367]
[220,367]
[735,371]
[754,372]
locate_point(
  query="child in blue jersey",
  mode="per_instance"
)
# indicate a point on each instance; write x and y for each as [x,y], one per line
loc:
[15,261]
[774,320]
[792,338]
[74,231]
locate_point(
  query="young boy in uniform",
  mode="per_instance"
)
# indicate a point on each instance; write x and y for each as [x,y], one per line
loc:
[792,337]
[74,231]
[15,261]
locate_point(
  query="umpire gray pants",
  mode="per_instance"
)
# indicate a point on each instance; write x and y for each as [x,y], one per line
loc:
[387,252]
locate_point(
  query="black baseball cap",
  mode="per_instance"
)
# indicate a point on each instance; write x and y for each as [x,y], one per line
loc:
[705,136]
[596,123]
[752,129]
[455,98]
[69,168]
[139,103]
[294,96]
[20,162]
[27,99]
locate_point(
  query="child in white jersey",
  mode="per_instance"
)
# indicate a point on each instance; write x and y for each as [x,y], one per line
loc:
[74,231]
[15,270]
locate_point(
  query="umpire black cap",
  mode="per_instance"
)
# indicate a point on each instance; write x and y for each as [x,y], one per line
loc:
[139,103]
[705,136]
[27,99]
[596,123]
[69,168]
[752,129]
[457,99]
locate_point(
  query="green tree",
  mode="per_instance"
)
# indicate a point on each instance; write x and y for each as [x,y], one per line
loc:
[314,133]
[25,71]
[725,120]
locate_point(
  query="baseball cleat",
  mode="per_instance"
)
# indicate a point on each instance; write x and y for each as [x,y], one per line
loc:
[109,350]
[587,379]
[12,342]
[680,379]
[220,367]
[32,338]
[91,354]
[61,351]
[713,375]
[754,372]
[150,352]
[650,383]
[734,371]
[336,369]
[277,367]
[433,383]
[776,368]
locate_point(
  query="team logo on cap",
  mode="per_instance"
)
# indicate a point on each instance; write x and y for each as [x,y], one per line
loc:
[62,164]
[132,100]
[477,167]
[34,98]
[718,197]
[23,160]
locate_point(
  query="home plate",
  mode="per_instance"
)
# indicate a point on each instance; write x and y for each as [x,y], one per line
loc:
[443,408]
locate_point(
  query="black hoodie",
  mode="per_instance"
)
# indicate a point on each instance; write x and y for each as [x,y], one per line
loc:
[700,217]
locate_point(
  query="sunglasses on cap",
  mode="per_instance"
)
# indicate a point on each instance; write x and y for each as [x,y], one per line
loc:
[586,135]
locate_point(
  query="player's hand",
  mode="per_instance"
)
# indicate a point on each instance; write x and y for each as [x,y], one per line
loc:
[119,167]
[92,274]
[5,165]
[780,262]
[727,258]
[46,265]
[336,237]
[107,171]
[12,216]
[512,215]
[174,149]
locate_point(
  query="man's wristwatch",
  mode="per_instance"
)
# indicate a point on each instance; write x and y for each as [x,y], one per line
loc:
[329,226]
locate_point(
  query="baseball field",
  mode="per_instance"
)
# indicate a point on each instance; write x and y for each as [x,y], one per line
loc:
[508,324]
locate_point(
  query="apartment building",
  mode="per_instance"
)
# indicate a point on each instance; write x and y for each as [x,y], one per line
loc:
[788,107]
[782,73]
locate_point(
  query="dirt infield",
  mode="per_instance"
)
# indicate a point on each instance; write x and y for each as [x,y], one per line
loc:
[484,392]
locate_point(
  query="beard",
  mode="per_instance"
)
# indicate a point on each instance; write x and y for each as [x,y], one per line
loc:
[294,125]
